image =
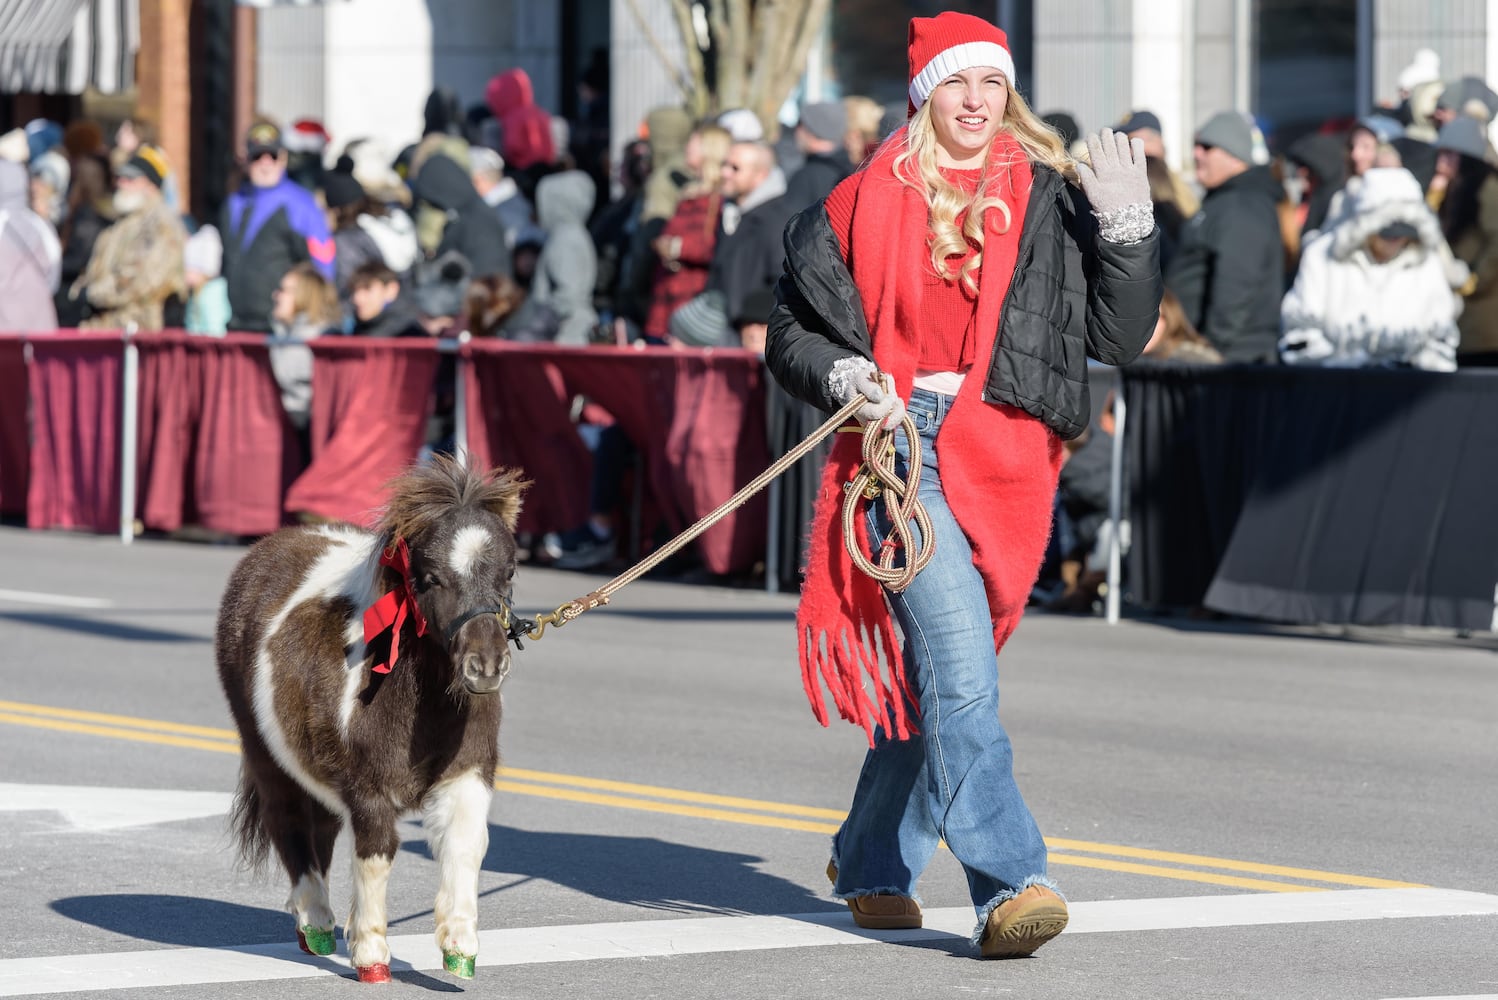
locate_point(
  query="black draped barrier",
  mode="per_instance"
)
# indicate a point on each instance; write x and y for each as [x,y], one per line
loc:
[1304,495]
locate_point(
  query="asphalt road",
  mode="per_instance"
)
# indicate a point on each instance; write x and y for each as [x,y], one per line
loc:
[1232,813]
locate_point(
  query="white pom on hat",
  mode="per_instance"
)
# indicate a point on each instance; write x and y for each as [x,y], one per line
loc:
[14,147]
[741,123]
[1425,67]
[949,43]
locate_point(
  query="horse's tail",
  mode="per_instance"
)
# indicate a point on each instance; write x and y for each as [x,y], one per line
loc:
[249,829]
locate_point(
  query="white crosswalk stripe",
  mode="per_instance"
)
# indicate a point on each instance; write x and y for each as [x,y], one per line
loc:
[702,935]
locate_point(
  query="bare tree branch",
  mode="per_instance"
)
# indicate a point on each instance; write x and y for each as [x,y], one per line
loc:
[738,48]
[808,32]
[697,90]
[768,17]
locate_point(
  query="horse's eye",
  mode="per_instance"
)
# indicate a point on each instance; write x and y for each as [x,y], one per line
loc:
[430,580]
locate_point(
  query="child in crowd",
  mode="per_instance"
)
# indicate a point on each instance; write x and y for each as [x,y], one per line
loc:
[208,293]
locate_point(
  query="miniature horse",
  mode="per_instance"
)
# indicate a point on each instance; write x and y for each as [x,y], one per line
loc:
[340,724]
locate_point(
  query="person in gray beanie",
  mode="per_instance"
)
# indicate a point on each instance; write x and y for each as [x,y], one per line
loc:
[822,137]
[1229,270]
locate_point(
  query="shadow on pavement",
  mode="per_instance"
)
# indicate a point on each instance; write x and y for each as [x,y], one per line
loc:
[644,872]
[95,626]
[185,921]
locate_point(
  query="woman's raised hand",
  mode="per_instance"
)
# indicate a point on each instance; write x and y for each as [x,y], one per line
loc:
[1116,182]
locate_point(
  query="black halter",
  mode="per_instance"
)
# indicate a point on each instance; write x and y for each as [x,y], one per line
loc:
[514,626]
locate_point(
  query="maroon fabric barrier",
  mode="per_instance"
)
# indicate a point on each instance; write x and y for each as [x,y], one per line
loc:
[698,417]
[214,441]
[75,450]
[15,432]
[520,416]
[370,399]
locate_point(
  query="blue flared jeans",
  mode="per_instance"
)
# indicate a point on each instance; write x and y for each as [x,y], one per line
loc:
[955,781]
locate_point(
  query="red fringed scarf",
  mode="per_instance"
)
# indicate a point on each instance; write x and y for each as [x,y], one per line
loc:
[998,464]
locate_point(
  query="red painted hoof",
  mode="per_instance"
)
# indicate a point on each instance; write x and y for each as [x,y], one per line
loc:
[373,973]
[301,942]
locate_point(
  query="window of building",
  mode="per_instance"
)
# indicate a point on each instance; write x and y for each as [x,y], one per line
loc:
[1305,65]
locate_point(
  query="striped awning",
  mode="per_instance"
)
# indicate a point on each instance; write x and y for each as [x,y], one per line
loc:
[32,36]
[101,50]
[68,46]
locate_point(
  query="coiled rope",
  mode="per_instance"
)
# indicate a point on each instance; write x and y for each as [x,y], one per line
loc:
[876,478]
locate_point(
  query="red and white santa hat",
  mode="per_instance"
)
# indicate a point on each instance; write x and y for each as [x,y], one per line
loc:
[949,43]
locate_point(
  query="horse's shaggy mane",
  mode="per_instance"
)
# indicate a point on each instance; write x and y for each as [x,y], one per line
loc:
[426,493]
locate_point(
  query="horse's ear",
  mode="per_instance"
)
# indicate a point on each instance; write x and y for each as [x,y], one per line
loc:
[506,488]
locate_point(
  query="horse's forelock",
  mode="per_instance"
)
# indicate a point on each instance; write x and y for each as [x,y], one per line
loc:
[424,495]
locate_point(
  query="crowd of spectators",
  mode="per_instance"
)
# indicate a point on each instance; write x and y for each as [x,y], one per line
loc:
[1368,241]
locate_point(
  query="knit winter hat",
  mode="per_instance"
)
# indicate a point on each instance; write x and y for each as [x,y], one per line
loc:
[204,252]
[1232,132]
[340,188]
[949,43]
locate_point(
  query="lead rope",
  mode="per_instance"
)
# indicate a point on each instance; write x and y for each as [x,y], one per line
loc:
[876,477]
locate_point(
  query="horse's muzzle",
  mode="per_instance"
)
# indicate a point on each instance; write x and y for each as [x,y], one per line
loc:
[485,669]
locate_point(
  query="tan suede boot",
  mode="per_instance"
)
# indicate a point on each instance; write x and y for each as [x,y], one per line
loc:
[1021,924]
[881,911]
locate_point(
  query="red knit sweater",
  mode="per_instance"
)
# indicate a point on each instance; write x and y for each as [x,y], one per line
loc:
[935,316]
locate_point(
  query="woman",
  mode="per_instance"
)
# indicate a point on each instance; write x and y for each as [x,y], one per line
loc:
[1169,218]
[89,213]
[354,247]
[685,246]
[1176,340]
[1373,290]
[984,282]
[1466,193]
[304,307]
[498,307]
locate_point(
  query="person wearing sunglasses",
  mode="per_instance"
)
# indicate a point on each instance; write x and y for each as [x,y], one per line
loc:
[270,225]
[1229,269]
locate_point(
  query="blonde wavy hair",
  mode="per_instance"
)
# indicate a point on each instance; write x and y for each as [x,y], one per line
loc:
[714,141]
[916,166]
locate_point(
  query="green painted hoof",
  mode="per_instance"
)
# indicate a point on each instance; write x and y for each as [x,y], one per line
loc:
[458,964]
[316,940]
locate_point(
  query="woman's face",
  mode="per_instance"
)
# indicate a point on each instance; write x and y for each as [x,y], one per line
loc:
[283,300]
[1385,248]
[967,109]
[1361,151]
[1448,162]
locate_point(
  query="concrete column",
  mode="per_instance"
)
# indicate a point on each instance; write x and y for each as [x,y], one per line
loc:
[1161,78]
[162,83]
[1084,59]
[642,31]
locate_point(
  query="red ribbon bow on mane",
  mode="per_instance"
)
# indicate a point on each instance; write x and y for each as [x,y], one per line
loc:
[390,612]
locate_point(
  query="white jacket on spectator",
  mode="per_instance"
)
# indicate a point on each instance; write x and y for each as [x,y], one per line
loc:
[1348,309]
[30,258]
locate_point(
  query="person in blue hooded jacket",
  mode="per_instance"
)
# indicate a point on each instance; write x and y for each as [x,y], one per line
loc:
[270,225]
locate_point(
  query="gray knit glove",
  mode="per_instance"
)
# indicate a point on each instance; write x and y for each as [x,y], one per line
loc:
[1116,183]
[853,375]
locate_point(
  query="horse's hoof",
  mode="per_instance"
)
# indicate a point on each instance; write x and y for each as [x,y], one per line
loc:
[378,973]
[315,940]
[458,964]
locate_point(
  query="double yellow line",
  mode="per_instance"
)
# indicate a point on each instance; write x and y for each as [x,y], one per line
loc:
[728,808]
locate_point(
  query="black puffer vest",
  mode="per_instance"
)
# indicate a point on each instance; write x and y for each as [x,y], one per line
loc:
[1073,296]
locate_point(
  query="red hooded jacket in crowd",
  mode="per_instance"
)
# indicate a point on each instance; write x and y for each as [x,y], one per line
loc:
[527,128]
